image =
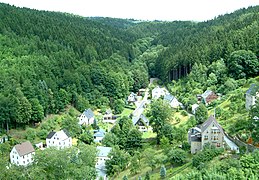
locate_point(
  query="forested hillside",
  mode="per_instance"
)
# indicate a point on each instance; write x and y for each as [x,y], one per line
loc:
[49,60]
[203,42]
[55,65]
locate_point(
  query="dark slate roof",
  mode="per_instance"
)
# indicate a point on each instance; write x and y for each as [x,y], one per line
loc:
[135,119]
[51,134]
[206,124]
[144,118]
[168,97]
[67,133]
[24,148]
[253,89]
[89,113]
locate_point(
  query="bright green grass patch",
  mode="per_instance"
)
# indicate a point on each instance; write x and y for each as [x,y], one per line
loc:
[126,112]
[148,134]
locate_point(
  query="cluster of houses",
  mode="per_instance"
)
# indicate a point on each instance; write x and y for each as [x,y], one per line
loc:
[23,153]
[138,117]
[208,132]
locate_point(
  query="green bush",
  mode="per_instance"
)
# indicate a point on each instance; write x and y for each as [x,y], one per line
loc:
[30,134]
[184,113]
[208,153]
[42,134]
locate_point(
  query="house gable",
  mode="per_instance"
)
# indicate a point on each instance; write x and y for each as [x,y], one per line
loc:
[209,132]
[87,117]
[59,139]
[208,96]
[22,154]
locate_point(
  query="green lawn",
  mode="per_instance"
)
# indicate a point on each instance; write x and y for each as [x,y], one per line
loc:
[126,112]
[148,134]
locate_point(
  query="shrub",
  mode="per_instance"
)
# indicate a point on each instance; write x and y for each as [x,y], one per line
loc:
[30,134]
[184,113]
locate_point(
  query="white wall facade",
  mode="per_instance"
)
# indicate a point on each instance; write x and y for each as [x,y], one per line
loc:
[251,100]
[59,141]
[15,158]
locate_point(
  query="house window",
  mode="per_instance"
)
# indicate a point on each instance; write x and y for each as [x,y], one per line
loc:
[57,138]
[218,144]
[205,137]
[13,156]
[27,160]
[17,157]
[23,162]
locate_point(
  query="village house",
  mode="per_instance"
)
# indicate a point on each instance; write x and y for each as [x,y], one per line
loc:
[102,157]
[210,132]
[60,139]
[99,135]
[141,92]
[194,108]
[108,117]
[87,117]
[132,98]
[22,154]
[141,122]
[174,103]
[252,94]
[208,96]
[158,92]
[39,145]
[3,139]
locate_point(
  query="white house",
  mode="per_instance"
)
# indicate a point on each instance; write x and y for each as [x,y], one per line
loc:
[194,108]
[102,157]
[252,94]
[174,103]
[108,117]
[157,92]
[132,98]
[60,139]
[22,154]
[99,135]
[3,139]
[141,121]
[87,117]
